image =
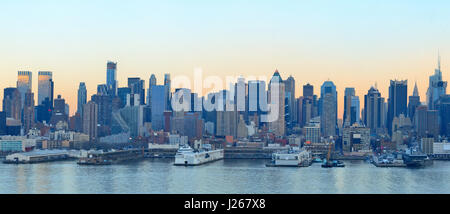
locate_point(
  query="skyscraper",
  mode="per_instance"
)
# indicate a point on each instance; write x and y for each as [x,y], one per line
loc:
[351,107]
[59,111]
[45,87]
[12,103]
[414,102]
[426,122]
[443,106]
[257,100]
[397,102]
[158,106]
[291,114]
[82,97]
[137,87]
[436,88]
[227,116]
[28,112]
[307,106]
[168,90]
[111,78]
[2,123]
[328,109]
[277,100]
[104,113]
[151,82]
[90,114]
[24,83]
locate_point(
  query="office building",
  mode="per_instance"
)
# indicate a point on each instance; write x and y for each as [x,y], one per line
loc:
[24,83]
[414,102]
[137,87]
[111,78]
[328,109]
[82,97]
[374,108]
[277,100]
[90,118]
[12,103]
[151,82]
[45,88]
[351,108]
[158,106]
[397,101]
[436,88]
[28,112]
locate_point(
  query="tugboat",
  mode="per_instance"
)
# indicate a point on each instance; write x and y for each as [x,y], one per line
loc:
[327,163]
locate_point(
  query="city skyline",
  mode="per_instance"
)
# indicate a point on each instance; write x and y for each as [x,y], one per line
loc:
[91,90]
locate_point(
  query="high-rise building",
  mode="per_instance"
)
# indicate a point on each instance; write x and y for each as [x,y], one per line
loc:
[414,102]
[397,101]
[45,87]
[351,108]
[436,88]
[111,78]
[328,109]
[443,106]
[82,97]
[90,115]
[12,103]
[104,114]
[374,109]
[28,112]
[158,106]
[291,113]
[151,82]
[24,83]
[59,111]
[277,100]
[137,87]
[122,94]
[168,91]
[2,123]
[227,116]
[257,100]
[426,122]
[307,105]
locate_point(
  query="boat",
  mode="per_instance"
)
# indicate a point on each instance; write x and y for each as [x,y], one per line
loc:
[186,156]
[317,160]
[331,164]
[327,163]
[414,158]
[294,157]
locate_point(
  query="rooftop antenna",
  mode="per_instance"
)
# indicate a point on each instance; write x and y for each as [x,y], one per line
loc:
[439,60]
[376,85]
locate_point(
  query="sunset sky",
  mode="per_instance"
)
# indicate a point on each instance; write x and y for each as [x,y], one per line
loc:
[353,43]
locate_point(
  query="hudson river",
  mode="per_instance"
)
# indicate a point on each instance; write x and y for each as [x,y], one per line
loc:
[226,176]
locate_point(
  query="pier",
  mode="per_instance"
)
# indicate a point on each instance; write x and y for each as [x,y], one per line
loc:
[115,157]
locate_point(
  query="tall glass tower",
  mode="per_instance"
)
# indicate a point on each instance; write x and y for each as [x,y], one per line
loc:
[45,87]
[111,78]
[24,83]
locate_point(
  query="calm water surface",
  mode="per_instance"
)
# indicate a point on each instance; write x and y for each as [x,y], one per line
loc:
[226,176]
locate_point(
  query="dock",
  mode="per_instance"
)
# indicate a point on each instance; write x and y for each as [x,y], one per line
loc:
[114,157]
[37,156]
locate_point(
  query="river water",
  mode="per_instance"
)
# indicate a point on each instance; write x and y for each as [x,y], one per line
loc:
[223,177]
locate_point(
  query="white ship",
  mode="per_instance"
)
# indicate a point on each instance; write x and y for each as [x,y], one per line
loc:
[294,157]
[186,156]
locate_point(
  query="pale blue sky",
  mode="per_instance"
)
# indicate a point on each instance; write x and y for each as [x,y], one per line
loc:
[354,43]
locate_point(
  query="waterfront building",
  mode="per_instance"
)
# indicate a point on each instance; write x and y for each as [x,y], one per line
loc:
[356,138]
[397,101]
[111,78]
[24,83]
